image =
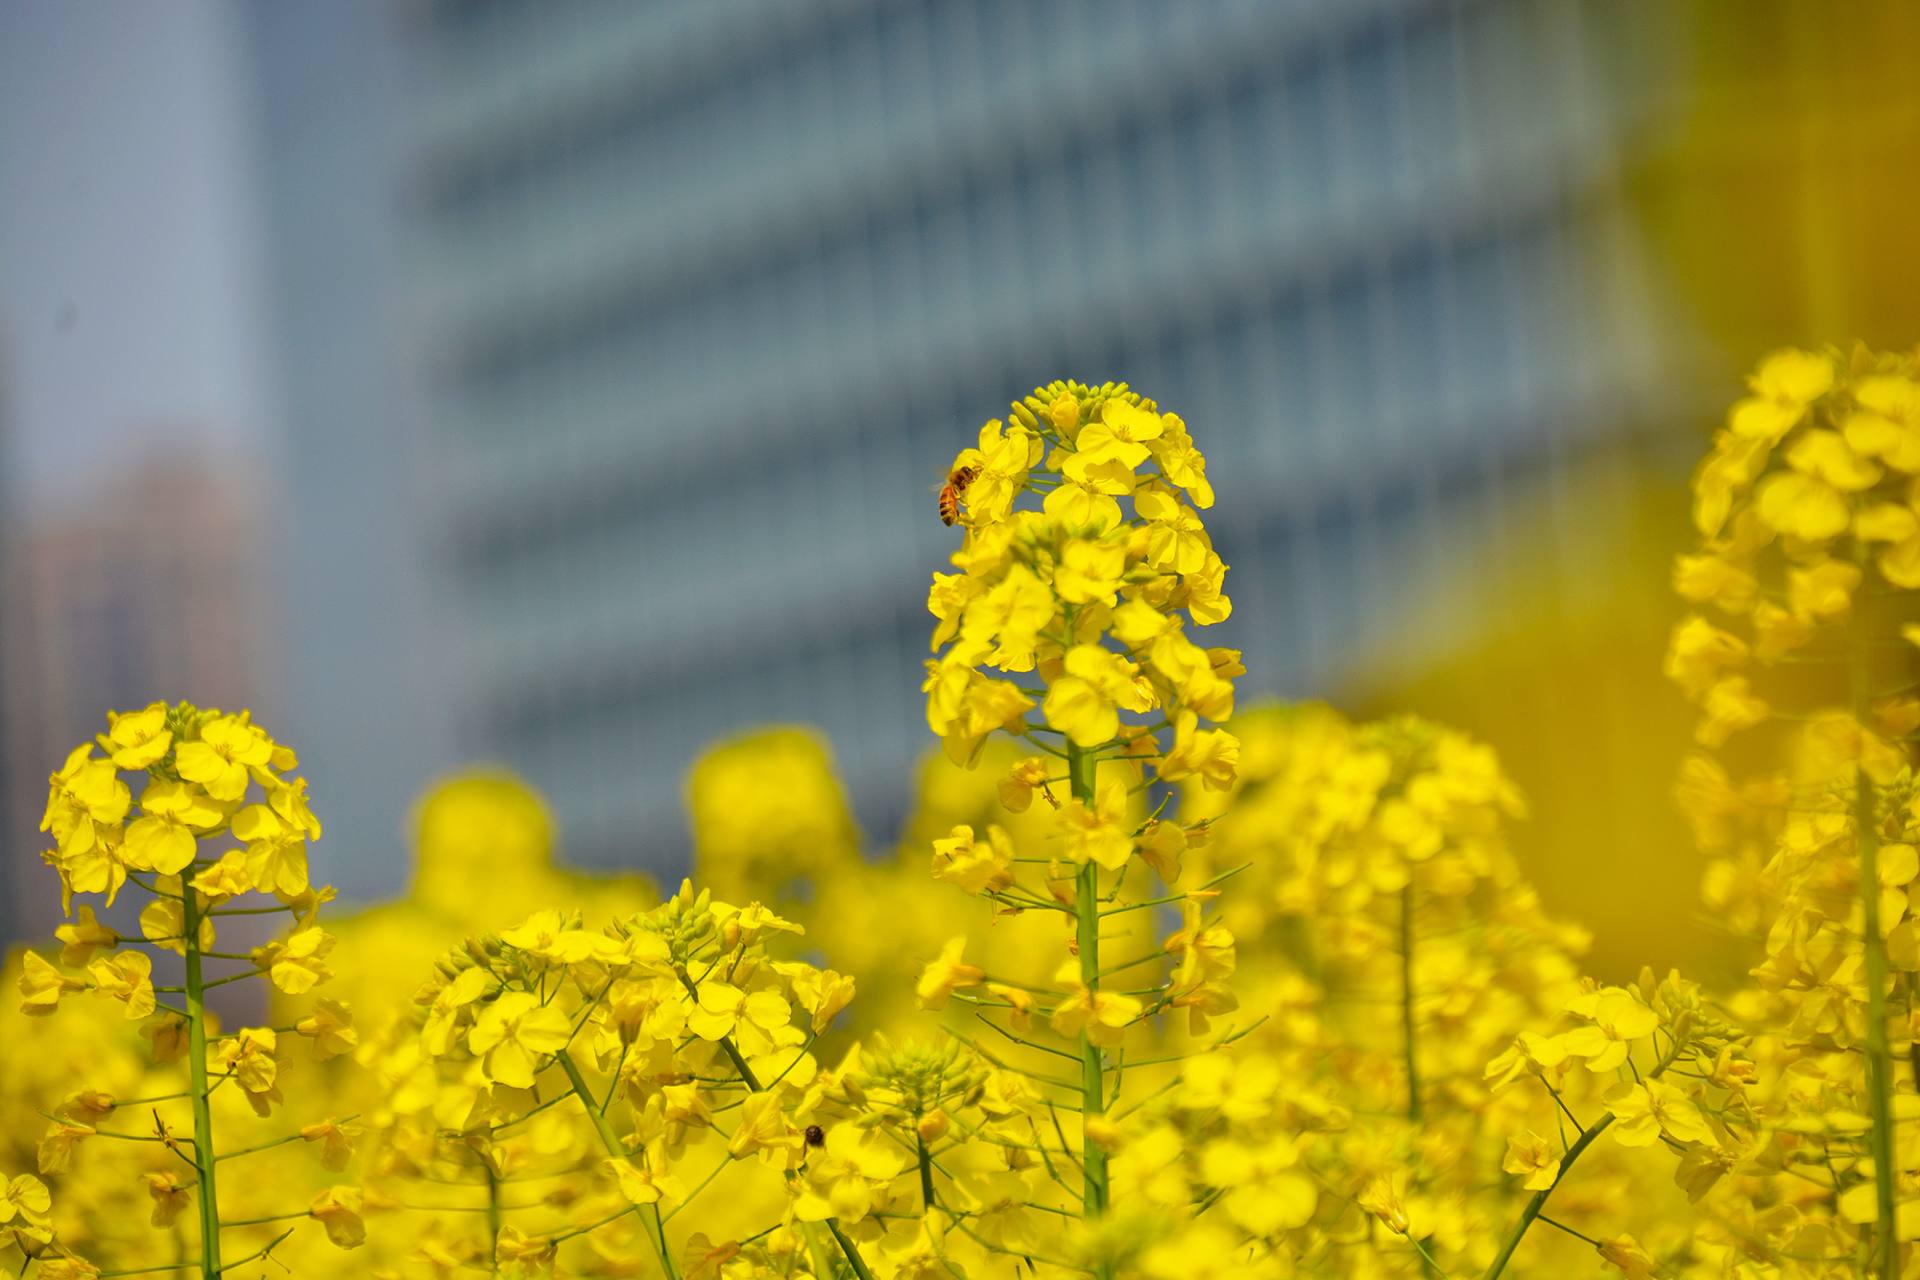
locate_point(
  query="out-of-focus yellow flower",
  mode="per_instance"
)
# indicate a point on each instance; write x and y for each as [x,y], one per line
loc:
[171,1194]
[335,1140]
[1212,755]
[843,1178]
[42,985]
[947,974]
[1100,832]
[1533,1159]
[126,977]
[297,963]
[1785,384]
[26,1207]
[1103,1015]
[338,1210]
[643,1179]
[83,937]
[523,1257]
[59,1142]
[1802,506]
[1730,705]
[249,1057]
[1645,1110]
[765,1130]
[1615,1020]
[1017,787]
[330,1027]
[1626,1255]
[974,866]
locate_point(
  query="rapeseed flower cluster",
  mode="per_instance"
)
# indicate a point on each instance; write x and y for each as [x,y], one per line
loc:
[1085,573]
[217,825]
[1801,659]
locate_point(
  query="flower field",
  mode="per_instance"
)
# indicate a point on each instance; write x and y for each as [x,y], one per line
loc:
[1154,985]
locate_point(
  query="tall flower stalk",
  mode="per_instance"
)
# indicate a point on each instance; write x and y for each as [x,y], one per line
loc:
[1810,563]
[218,822]
[1071,604]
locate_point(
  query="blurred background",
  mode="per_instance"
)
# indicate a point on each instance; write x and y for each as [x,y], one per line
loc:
[563,383]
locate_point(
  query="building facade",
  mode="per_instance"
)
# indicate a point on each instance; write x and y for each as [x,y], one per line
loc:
[150,587]
[708,295]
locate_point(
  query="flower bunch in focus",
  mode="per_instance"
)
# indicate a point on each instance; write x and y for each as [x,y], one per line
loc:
[218,821]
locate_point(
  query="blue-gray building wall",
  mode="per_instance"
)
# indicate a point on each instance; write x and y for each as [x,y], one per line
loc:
[716,291]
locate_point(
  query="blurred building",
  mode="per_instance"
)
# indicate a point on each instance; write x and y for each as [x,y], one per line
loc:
[11,914]
[150,589]
[360,665]
[623,346]
[708,296]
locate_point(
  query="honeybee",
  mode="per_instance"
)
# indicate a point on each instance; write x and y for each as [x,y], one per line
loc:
[950,493]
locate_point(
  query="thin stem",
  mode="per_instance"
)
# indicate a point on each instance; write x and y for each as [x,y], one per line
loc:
[493,1208]
[207,1192]
[1879,1053]
[726,1042]
[852,1253]
[1082,770]
[276,1142]
[1577,1235]
[618,1150]
[1409,1037]
[262,1251]
[1407,1032]
[1538,1200]
[264,1219]
[705,1182]
[926,1173]
[1220,879]
[747,1078]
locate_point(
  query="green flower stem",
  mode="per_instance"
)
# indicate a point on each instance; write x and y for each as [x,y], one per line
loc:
[1538,1200]
[207,1193]
[618,1150]
[1410,1040]
[851,1251]
[847,1247]
[926,1173]
[1886,1264]
[1587,1135]
[493,1213]
[726,1042]
[1407,1033]
[1081,769]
